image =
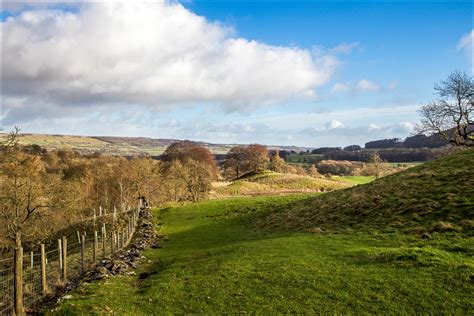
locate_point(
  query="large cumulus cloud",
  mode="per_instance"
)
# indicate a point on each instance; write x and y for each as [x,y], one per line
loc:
[153,54]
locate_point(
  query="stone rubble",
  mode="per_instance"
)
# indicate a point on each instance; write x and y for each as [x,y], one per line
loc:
[145,237]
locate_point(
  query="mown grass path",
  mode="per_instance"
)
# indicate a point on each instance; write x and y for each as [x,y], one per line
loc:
[216,261]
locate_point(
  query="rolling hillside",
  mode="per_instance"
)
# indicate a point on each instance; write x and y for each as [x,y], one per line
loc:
[119,145]
[434,197]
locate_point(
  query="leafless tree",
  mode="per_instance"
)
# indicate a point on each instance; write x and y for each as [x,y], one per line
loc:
[451,116]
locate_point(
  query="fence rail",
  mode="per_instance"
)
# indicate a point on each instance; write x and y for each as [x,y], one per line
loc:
[27,278]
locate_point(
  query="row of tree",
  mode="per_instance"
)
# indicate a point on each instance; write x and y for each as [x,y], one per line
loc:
[44,191]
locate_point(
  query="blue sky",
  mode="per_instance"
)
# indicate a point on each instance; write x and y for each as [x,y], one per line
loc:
[312,73]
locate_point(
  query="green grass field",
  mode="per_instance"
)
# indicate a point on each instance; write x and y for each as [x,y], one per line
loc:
[215,261]
[304,160]
[355,179]
[403,244]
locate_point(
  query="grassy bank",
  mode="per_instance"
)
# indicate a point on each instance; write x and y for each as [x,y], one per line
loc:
[271,183]
[216,261]
[435,197]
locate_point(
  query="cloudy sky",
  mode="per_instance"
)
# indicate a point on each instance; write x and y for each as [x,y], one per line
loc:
[312,73]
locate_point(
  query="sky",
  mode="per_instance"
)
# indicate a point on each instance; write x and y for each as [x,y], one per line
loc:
[305,73]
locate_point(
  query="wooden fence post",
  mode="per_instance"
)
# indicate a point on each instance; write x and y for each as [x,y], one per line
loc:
[18,282]
[83,248]
[112,236]
[118,239]
[104,236]
[44,286]
[60,253]
[64,259]
[94,252]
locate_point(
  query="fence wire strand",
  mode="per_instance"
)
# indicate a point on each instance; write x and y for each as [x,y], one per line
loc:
[79,260]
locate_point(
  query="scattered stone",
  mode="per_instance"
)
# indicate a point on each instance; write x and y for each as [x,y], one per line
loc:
[145,237]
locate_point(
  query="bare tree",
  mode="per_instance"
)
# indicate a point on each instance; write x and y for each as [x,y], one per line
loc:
[24,190]
[451,116]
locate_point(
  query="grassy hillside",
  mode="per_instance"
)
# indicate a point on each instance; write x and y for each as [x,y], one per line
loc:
[277,183]
[434,197]
[118,145]
[216,262]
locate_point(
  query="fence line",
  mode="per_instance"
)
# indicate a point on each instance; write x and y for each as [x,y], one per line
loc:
[28,277]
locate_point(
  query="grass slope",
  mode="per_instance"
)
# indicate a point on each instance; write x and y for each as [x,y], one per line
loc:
[277,183]
[216,262]
[435,196]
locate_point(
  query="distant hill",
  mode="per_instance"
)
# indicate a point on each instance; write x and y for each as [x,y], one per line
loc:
[437,196]
[127,146]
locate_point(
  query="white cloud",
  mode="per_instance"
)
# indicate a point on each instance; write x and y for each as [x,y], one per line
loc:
[361,86]
[366,85]
[334,124]
[393,85]
[466,44]
[408,127]
[466,41]
[374,127]
[345,48]
[154,54]
[340,87]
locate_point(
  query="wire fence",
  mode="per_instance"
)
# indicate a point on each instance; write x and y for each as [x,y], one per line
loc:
[28,278]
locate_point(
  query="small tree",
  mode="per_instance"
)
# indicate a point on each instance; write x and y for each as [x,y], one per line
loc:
[313,172]
[185,150]
[245,159]
[25,189]
[276,163]
[234,164]
[451,116]
[376,162]
[257,158]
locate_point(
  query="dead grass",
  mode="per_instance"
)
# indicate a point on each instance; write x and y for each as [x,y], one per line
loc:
[271,183]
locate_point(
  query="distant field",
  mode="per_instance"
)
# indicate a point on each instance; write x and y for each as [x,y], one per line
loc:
[406,164]
[276,183]
[106,145]
[355,179]
[118,145]
[216,262]
[303,159]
